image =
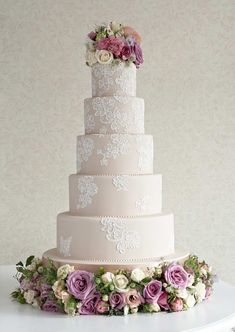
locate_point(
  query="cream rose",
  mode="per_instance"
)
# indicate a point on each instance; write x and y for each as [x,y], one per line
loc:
[190,301]
[137,275]
[154,307]
[200,292]
[182,293]
[29,296]
[120,282]
[58,288]
[107,277]
[103,56]
[190,280]
[115,26]
[64,270]
[91,58]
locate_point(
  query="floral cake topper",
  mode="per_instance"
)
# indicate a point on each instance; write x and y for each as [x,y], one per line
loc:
[114,43]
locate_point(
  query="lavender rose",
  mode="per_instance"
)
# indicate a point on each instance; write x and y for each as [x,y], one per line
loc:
[80,284]
[152,291]
[45,291]
[138,55]
[176,276]
[51,306]
[126,52]
[163,301]
[117,300]
[92,35]
[89,305]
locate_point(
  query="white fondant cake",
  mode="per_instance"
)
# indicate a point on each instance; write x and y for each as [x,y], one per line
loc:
[115,201]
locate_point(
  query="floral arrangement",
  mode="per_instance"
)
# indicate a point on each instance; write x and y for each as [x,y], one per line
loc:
[168,287]
[114,43]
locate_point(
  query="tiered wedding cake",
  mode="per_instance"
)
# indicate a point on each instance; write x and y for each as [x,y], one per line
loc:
[115,249]
[115,200]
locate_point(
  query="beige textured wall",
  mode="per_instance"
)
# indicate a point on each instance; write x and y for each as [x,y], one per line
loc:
[188,83]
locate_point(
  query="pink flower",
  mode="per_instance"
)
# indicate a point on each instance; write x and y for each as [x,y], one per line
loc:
[45,291]
[138,55]
[117,300]
[152,291]
[177,305]
[163,301]
[129,31]
[80,284]
[126,52]
[102,307]
[133,298]
[92,35]
[89,305]
[176,276]
[51,306]
[111,44]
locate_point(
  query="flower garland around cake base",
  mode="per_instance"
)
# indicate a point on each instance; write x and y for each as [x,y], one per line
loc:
[168,287]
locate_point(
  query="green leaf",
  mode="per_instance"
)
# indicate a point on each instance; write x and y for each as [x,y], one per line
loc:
[20,264]
[15,294]
[29,260]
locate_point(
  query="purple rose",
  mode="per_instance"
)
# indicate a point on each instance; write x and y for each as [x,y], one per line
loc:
[51,306]
[126,52]
[163,301]
[176,276]
[152,291]
[92,35]
[45,291]
[138,55]
[89,305]
[117,300]
[80,284]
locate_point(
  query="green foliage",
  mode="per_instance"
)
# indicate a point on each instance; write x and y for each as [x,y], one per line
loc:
[29,260]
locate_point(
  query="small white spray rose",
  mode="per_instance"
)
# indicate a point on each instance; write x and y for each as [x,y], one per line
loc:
[29,296]
[103,56]
[190,280]
[134,310]
[32,267]
[182,293]
[40,269]
[58,288]
[200,293]
[107,277]
[64,270]
[190,301]
[154,308]
[137,275]
[126,310]
[120,282]
[115,26]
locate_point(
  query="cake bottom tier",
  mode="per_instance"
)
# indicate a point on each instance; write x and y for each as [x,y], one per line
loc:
[115,239]
[93,266]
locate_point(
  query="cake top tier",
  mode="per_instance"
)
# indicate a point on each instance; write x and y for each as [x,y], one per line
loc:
[114,43]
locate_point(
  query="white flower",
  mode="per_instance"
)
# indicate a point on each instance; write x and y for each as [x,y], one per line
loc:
[200,292]
[37,260]
[115,26]
[120,282]
[103,56]
[154,308]
[64,270]
[126,310]
[91,58]
[134,310]
[35,303]
[203,272]
[40,269]
[149,271]
[190,301]
[32,267]
[107,277]
[137,275]
[29,296]
[58,288]
[90,47]
[190,280]
[182,293]
[64,296]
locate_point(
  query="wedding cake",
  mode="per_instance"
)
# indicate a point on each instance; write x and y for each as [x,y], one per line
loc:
[115,250]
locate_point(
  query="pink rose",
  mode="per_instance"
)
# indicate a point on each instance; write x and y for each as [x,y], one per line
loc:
[126,52]
[163,301]
[176,276]
[111,44]
[177,305]
[117,300]
[133,298]
[152,291]
[102,307]
[92,35]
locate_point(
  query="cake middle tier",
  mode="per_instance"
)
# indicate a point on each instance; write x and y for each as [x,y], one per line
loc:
[115,154]
[115,195]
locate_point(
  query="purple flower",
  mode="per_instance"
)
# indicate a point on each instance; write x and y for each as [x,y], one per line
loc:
[80,284]
[152,291]
[126,52]
[89,305]
[176,276]
[163,301]
[51,306]
[117,300]
[92,35]
[45,291]
[138,55]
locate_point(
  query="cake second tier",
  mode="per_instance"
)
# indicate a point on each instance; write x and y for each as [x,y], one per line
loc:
[115,195]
